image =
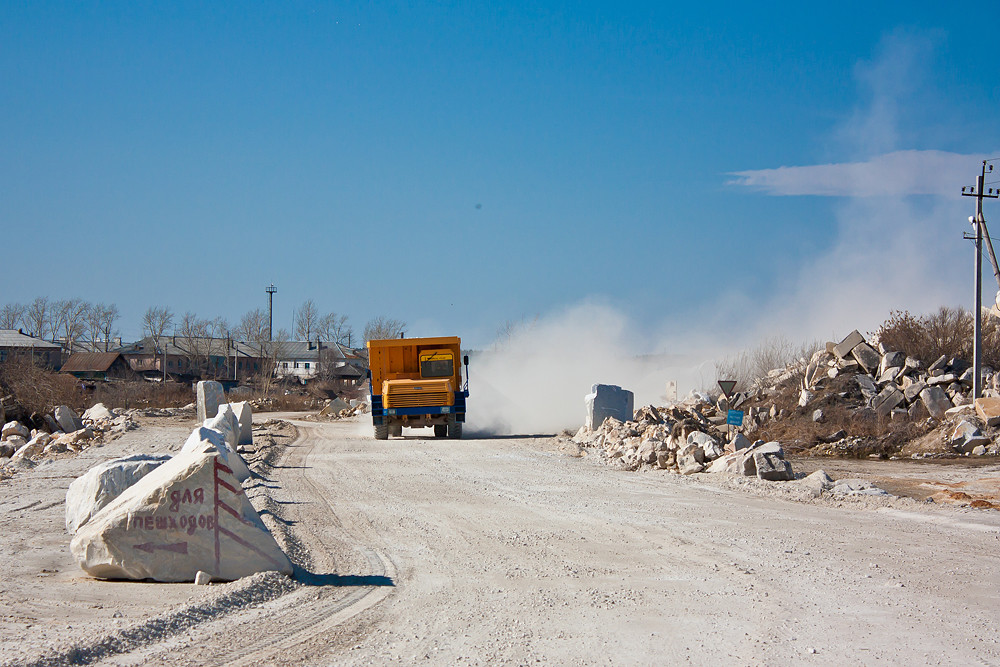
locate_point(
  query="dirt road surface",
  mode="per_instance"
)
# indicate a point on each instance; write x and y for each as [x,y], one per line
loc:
[506,551]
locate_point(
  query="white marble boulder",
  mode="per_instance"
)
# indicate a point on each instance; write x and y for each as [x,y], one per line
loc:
[98,412]
[203,438]
[244,415]
[226,422]
[210,396]
[187,515]
[99,486]
[67,419]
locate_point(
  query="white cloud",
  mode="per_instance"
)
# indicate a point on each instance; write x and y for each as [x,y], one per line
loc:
[899,173]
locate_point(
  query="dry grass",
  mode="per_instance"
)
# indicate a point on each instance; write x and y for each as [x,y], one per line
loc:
[749,365]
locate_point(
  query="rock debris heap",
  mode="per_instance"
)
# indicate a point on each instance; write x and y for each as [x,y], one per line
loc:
[879,383]
[180,518]
[684,439]
[25,443]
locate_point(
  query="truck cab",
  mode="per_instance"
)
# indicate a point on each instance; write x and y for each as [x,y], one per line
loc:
[417,382]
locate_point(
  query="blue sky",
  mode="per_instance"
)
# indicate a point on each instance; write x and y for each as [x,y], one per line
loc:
[457,165]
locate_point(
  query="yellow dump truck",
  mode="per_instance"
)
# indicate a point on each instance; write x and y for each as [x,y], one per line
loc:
[417,382]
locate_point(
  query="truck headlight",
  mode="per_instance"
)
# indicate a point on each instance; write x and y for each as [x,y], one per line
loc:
[390,411]
[445,410]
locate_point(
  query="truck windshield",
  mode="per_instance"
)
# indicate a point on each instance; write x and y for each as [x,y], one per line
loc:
[436,366]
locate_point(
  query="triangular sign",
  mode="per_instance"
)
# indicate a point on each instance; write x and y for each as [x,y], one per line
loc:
[727,387]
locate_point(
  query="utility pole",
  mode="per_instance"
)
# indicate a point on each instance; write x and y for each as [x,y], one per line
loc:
[978,191]
[270,309]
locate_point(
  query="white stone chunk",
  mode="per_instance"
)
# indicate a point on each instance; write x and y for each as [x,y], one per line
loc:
[203,438]
[68,420]
[187,515]
[98,412]
[100,485]
[244,415]
[225,422]
[210,397]
[15,428]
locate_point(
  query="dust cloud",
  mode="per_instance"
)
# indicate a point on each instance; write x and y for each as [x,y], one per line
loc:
[535,381]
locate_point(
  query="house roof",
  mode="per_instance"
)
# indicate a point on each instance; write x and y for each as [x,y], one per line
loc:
[308,350]
[90,362]
[14,338]
[182,346]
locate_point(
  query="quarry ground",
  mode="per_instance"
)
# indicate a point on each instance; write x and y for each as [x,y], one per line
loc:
[507,551]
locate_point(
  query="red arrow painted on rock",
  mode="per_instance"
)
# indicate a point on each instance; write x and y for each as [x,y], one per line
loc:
[149,547]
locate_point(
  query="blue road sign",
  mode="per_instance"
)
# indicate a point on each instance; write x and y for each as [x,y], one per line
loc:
[734,418]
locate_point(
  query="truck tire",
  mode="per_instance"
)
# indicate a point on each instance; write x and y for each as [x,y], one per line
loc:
[455,430]
[381,432]
[440,430]
[396,431]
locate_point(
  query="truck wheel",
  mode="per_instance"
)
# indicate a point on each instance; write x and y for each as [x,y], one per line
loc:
[381,432]
[440,430]
[396,431]
[455,430]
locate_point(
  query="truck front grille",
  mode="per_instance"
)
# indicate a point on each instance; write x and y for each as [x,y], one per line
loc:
[416,399]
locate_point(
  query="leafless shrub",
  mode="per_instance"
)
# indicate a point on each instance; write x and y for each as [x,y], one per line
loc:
[36,388]
[947,332]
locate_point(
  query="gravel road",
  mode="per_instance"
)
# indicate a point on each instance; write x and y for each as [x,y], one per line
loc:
[506,551]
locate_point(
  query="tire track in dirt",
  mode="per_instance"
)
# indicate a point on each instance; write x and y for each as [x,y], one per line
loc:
[322,541]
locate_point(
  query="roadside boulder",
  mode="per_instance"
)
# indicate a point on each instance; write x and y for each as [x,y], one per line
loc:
[771,466]
[966,437]
[15,428]
[710,448]
[210,397]
[187,515]
[690,459]
[608,400]
[203,438]
[67,419]
[100,485]
[225,422]
[988,410]
[244,415]
[936,401]
[97,413]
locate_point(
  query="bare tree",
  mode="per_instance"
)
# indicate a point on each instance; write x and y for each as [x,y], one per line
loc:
[383,328]
[10,316]
[155,322]
[109,314]
[252,327]
[93,318]
[197,344]
[269,350]
[306,320]
[36,316]
[335,327]
[71,319]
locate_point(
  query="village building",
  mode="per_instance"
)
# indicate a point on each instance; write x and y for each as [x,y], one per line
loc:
[98,366]
[15,343]
[192,358]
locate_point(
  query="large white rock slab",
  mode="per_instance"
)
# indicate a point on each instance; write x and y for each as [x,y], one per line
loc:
[15,428]
[98,412]
[203,438]
[210,397]
[96,488]
[68,420]
[187,515]
[608,400]
[225,422]
[244,415]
